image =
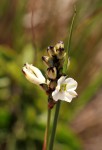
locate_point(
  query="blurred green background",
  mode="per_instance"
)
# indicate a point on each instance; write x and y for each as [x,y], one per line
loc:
[27,28]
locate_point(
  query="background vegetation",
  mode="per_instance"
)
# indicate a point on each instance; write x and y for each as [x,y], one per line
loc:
[27,28]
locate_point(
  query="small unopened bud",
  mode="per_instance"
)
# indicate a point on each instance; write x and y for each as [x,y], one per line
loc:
[59,45]
[52,73]
[61,62]
[52,85]
[51,51]
[60,53]
[48,61]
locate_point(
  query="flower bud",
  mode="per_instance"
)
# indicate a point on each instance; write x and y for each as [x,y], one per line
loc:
[51,51]
[33,74]
[52,85]
[60,53]
[52,73]
[59,45]
[61,62]
[48,61]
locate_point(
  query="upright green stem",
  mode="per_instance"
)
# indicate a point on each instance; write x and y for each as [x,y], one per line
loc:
[54,125]
[71,30]
[46,138]
[69,41]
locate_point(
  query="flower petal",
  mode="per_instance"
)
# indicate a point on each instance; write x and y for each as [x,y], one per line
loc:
[61,80]
[71,84]
[69,96]
[73,93]
[37,72]
[58,95]
[32,76]
[62,96]
[67,99]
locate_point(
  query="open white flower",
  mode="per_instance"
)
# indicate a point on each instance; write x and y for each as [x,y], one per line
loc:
[65,89]
[33,74]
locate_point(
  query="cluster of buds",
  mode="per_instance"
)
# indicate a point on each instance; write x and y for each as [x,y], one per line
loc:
[56,85]
[54,61]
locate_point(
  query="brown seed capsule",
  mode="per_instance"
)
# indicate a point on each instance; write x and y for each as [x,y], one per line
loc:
[52,73]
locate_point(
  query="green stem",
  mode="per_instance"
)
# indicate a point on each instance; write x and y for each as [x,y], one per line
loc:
[46,138]
[54,125]
[71,30]
[69,41]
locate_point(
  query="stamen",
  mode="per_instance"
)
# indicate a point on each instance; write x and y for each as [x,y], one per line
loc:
[63,87]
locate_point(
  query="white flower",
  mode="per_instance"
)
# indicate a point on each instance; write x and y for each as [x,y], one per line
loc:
[65,89]
[33,74]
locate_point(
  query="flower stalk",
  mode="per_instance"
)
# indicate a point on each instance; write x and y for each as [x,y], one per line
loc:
[46,138]
[48,128]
